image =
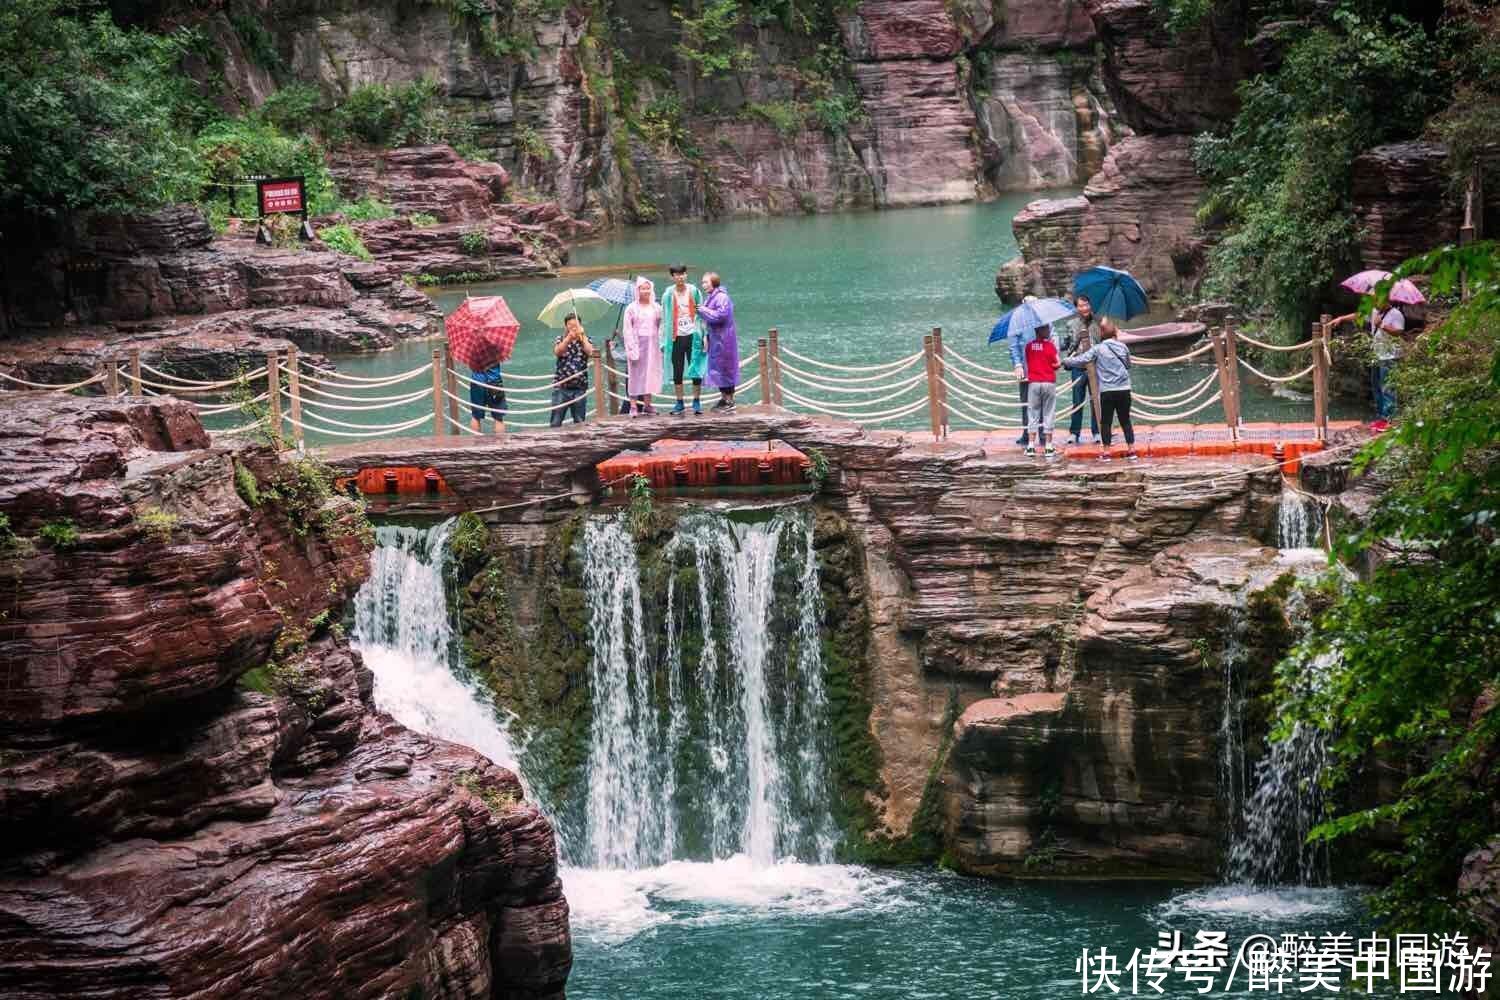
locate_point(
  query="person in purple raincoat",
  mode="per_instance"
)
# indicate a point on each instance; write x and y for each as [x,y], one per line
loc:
[717,312]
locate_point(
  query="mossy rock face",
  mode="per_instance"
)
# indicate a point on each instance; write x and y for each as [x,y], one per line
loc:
[537,661]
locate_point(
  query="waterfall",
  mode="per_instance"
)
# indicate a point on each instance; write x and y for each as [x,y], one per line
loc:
[1232,722]
[1299,521]
[402,629]
[721,752]
[1285,798]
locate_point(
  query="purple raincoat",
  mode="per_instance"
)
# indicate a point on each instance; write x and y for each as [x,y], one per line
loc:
[717,311]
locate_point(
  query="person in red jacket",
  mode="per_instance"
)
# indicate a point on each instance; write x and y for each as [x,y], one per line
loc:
[1041,399]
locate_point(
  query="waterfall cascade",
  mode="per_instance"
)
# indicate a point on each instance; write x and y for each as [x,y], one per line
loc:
[1299,521]
[404,632]
[1283,799]
[707,738]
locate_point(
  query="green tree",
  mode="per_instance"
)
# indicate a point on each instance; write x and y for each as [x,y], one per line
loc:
[1280,176]
[94,117]
[1418,640]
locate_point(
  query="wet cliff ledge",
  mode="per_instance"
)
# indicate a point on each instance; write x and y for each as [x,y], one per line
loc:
[197,797]
[990,576]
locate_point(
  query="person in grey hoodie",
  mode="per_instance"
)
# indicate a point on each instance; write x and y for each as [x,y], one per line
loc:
[1111,360]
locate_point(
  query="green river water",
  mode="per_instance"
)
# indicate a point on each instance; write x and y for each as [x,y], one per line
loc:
[855,289]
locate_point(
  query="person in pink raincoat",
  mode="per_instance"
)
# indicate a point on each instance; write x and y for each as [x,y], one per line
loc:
[641,329]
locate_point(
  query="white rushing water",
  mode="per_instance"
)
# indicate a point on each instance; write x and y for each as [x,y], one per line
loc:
[1299,521]
[403,631]
[751,699]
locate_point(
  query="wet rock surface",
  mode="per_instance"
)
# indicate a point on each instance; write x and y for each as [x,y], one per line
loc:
[1138,213]
[980,572]
[197,796]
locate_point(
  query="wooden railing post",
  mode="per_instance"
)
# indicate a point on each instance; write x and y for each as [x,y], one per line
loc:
[1226,394]
[135,372]
[450,379]
[294,386]
[609,368]
[439,429]
[775,337]
[273,396]
[1320,381]
[763,358]
[111,376]
[933,404]
[1232,364]
[601,401]
[942,372]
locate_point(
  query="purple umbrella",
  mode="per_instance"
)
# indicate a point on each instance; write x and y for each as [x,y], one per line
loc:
[1403,292]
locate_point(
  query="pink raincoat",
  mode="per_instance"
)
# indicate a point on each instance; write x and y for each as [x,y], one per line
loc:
[641,330]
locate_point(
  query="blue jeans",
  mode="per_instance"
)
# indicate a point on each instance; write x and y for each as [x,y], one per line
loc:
[578,398]
[1385,399]
[1080,393]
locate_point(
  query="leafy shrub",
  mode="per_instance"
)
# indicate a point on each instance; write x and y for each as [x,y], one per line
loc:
[787,117]
[246,486]
[61,535]
[345,240]
[837,111]
[421,220]
[1281,174]
[158,523]
[291,108]
[234,149]
[94,117]
[530,142]
[476,242]
[383,114]
[366,209]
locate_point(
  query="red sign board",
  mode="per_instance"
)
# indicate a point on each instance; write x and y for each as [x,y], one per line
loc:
[282,196]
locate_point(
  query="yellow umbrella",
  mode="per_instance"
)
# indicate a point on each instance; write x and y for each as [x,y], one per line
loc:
[586,302]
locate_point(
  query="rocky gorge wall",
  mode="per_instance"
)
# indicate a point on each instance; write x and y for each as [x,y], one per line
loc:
[596,105]
[1038,664]
[197,795]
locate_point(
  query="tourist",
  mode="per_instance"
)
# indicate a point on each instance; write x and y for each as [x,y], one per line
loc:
[1387,330]
[1017,344]
[487,395]
[717,311]
[1083,333]
[643,350]
[682,334]
[571,376]
[1111,360]
[1041,400]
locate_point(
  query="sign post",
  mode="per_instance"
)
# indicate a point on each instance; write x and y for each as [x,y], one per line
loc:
[280,196]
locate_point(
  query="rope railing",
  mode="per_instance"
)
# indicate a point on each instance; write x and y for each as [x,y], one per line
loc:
[953,387]
[1190,355]
[840,380]
[1242,335]
[849,368]
[55,388]
[1277,379]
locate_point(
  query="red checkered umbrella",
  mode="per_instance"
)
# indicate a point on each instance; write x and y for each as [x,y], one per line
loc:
[482,332]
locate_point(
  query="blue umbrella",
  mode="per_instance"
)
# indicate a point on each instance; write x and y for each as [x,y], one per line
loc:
[1111,292]
[1026,317]
[615,290]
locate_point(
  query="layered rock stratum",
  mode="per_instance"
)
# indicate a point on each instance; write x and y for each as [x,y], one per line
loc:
[198,797]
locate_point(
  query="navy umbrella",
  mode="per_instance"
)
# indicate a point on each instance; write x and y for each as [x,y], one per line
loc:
[1027,316]
[1111,292]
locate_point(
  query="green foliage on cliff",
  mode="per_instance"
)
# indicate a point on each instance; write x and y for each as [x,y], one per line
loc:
[93,116]
[1281,174]
[1418,640]
[345,240]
